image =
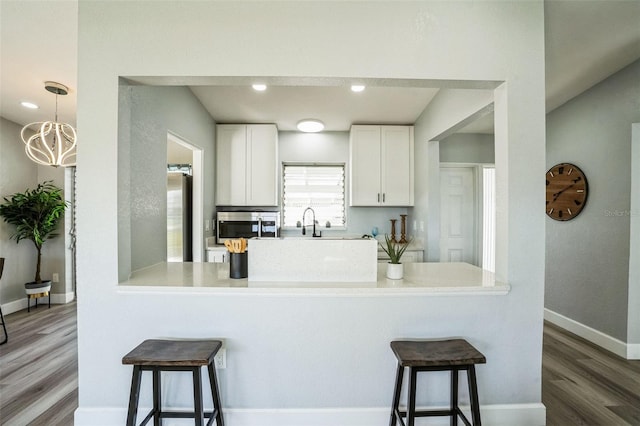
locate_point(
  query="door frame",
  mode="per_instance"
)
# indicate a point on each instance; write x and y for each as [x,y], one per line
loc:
[197,193]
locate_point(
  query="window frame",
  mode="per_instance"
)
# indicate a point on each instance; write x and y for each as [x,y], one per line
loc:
[315,164]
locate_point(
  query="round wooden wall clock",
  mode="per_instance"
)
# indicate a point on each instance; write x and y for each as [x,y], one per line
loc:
[567,191]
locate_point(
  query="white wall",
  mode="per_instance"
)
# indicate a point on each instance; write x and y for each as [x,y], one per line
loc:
[633,331]
[467,148]
[17,173]
[146,114]
[587,258]
[429,40]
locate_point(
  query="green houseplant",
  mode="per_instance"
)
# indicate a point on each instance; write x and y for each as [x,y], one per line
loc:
[395,251]
[36,214]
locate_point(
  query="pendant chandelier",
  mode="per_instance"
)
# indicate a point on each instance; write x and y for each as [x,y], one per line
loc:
[52,143]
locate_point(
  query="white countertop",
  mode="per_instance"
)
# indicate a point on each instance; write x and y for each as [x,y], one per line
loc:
[419,279]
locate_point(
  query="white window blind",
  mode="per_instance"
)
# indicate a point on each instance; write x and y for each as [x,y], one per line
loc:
[320,187]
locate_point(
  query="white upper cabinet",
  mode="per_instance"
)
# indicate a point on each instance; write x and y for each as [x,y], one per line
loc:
[381,165]
[247,165]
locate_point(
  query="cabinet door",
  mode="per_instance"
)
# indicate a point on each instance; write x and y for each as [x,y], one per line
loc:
[217,255]
[412,256]
[365,166]
[262,165]
[397,165]
[231,153]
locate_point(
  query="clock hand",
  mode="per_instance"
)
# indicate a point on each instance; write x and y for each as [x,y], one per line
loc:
[557,194]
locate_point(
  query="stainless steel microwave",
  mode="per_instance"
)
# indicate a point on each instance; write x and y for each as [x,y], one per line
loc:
[246,224]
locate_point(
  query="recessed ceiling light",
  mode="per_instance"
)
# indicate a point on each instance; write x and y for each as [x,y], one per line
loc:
[29,105]
[259,87]
[357,87]
[310,125]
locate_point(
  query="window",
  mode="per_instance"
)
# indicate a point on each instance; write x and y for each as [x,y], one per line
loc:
[318,186]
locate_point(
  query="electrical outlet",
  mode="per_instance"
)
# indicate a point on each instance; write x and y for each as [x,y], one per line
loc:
[220,359]
[55,278]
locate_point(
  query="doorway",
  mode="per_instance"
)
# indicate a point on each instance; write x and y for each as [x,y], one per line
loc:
[467,214]
[179,151]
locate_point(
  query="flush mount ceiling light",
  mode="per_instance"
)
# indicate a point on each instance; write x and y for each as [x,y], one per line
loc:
[29,105]
[259,87]
[53,143]
[310,125]
[357,87]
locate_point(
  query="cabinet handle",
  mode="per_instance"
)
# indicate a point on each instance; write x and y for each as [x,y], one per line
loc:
[378,197]
[383,197]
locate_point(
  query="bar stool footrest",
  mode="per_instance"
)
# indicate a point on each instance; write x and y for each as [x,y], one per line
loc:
[180,415]
[435,413]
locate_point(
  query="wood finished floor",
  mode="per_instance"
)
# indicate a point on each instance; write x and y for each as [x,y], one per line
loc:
[39,367]
[581,383]
[585,385]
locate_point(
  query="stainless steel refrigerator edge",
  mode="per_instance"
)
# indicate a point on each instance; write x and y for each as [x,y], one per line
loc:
[179,232]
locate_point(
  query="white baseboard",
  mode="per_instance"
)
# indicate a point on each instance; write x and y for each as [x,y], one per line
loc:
[618,347]
[20,304]
[15,306]
[62,299]
[633,351]
[492,415]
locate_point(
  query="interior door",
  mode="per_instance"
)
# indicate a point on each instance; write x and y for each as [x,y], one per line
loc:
[458,215]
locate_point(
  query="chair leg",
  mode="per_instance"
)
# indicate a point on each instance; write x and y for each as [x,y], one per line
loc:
[197,397]
[134,395]
[454,397]
[396,395]
[473,395]
[411,403]
[157,395]
[215,394]
[4,327]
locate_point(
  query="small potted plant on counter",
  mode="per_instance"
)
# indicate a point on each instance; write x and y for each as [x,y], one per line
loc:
[394,250]
[36,214]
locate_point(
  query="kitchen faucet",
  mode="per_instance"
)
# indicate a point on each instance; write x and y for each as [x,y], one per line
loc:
[304,232]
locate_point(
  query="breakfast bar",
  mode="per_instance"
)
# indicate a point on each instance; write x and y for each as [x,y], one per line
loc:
[329,340]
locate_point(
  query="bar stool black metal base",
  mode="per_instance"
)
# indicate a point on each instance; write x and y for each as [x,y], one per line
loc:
[411,413]
[166,355]
[453,355]
[157,413]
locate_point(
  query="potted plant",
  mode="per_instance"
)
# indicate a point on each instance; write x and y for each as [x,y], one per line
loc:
[394,250]
[36,214]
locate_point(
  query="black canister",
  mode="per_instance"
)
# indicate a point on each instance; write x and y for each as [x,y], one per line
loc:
[238,267]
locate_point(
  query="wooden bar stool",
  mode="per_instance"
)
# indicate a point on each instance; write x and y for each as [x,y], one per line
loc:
[452,355]
[174,355]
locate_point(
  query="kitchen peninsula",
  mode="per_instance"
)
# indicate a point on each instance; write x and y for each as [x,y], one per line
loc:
[330,336]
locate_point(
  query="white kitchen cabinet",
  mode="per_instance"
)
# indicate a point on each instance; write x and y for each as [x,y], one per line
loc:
[247,165]
[217,255]
[381,165]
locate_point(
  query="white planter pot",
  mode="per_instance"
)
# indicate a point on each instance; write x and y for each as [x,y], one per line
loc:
[37,288]
[395,271]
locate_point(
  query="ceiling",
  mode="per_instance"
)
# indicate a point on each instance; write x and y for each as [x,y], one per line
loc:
[586,41]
